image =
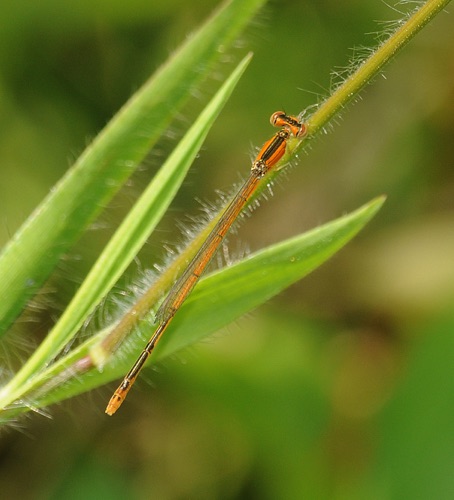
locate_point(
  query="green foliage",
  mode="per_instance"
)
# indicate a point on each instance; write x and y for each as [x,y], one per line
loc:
[140,222]
[338,388]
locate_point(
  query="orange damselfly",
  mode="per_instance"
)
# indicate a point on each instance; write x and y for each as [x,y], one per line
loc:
[270,154]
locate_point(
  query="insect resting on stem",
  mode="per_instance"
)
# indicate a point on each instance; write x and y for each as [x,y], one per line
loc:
[268,157]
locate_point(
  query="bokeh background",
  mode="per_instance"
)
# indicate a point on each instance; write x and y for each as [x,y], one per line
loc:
[341,387]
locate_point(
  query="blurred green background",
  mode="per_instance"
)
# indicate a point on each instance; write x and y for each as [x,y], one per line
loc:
[343,386]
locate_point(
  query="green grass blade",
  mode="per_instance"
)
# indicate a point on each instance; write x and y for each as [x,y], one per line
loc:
[228,294]
[105,165]
[125,243]
[218,300]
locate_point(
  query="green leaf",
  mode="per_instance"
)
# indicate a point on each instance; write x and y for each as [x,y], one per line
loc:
[228,294]
[113,156]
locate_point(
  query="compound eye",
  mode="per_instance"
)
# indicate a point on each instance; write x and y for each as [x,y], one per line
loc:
[276,119]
